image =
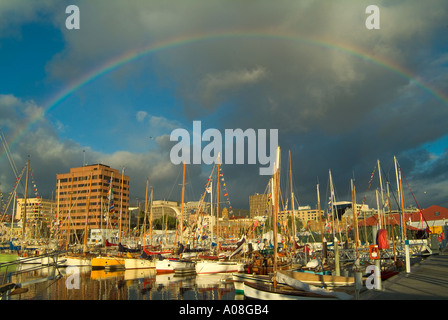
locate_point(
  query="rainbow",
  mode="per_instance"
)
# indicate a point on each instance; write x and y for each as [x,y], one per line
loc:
[173,43]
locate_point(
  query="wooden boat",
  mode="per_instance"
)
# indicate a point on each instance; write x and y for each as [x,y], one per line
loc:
[26,258]
[77,261]
[109,262]
[265,266]
[267,291]
[216,266]
[238,280]
[169,265]
[53,260]
[320,280]
[138,263]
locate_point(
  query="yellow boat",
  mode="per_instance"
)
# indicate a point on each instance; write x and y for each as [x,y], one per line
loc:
[108,262]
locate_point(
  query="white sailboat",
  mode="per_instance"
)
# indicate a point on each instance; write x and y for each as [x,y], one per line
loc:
[171,264]
[209,266]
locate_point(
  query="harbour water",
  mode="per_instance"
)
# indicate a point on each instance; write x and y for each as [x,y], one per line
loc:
[83,283]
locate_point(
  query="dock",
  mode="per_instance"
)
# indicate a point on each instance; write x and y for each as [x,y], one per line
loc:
[428,280]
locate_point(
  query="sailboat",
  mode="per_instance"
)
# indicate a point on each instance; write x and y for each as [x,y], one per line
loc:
[115,260]
[175,264]
[25,257]
[215,264]
[146,259]
[282,286]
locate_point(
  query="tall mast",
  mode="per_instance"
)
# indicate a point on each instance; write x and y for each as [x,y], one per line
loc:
[150,219]
[399,195]
[355,217]
[146,212]
[182,207]
[68,216]
[87,215]
[324,247]
[211,213]
[396,176]
[121,205]
[275,196]
[379,211]
[24,209]
[402,206]
[332,203]
[217,210]
[382,193]
[292,206]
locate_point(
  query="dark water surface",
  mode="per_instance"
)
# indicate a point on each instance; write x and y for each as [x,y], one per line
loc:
[82,283]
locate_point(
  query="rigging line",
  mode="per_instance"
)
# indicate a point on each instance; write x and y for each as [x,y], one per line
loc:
[174,184]
[368,188]
[8,153]
[418,206]
[392,191]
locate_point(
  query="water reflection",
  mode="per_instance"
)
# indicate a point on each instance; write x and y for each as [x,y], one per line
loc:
[82,283]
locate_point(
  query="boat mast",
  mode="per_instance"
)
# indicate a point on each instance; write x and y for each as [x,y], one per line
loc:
[275,196]
[382,194]
[24,210]
[402,207]
[121,205]
[379,211]
[292,206]
[87,216]
[146,210]
[333,211]
[68,216]
[324,245]
[211,214]
[182,207]
[399,194]
[392,224]
[13,214]
[355,218]
[150,219]
[217,210]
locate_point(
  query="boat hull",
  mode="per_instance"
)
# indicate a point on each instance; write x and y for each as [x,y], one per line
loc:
[240,278]
[137,263]
[208,267]
[108,262]
[71,261]
[320,280]
[171,265]
[265,291]
[29,260]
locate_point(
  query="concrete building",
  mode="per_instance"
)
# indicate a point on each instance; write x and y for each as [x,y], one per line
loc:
[258,205]
[86,189]
[37,209]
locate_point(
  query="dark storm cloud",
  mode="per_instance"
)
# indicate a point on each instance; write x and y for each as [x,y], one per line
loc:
[287,65]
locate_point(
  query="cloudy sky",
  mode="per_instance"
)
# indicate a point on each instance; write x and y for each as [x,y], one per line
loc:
[341,96]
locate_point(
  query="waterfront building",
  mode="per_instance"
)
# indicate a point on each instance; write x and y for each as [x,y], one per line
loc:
[101,189]
[37,209]
[258,204]
[39,213]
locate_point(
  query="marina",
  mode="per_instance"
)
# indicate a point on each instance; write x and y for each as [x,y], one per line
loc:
[245,153]
[37,281]
[196,261]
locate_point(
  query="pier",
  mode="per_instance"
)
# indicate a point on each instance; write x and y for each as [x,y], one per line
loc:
[428,280]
